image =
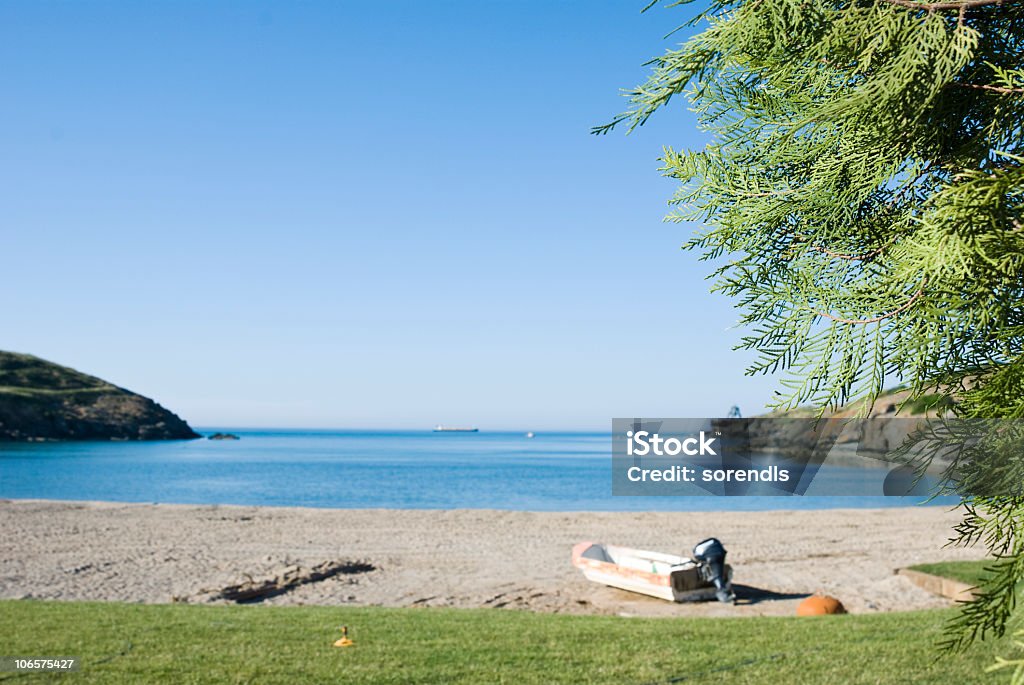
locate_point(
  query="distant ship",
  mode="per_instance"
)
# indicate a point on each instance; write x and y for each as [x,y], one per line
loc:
[451,429]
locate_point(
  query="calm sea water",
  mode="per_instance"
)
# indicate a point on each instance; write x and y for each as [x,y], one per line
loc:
[360,469]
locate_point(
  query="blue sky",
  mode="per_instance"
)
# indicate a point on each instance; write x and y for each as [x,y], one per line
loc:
[341,214]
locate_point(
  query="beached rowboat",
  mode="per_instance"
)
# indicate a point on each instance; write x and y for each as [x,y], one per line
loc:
[666,576]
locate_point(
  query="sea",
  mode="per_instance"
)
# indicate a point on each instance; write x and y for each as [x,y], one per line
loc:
[552,471]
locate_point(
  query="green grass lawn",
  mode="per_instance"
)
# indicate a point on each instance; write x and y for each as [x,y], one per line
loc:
[970,572]
[132,643]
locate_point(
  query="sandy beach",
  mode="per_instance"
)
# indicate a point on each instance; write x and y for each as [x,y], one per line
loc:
[158,553]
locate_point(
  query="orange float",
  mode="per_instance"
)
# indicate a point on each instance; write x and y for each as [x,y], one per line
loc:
[820,605]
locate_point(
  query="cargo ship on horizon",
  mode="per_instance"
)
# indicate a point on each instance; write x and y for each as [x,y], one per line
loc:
[454,429]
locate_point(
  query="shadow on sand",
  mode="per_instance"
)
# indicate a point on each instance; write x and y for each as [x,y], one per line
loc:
[746,594]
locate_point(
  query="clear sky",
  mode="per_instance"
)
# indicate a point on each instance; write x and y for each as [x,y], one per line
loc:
[354,214]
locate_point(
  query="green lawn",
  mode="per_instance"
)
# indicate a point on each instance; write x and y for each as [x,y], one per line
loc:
[131,643]
[971,572]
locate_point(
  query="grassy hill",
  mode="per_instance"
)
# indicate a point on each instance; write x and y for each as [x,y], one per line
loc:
[40,400]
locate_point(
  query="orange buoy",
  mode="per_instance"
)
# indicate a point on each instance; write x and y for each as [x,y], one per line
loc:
[820,605]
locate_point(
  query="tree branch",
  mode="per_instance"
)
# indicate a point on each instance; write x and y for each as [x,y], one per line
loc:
[933,6]
[863,257]
[888,315]
[850,257]
[994,89]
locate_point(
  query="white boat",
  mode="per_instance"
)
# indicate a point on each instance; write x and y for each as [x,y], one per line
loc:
[666,576]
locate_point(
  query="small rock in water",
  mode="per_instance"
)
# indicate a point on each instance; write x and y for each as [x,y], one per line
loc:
[223,436]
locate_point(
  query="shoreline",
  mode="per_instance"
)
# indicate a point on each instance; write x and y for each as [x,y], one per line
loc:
[157,553]
[753,511]
[299,507]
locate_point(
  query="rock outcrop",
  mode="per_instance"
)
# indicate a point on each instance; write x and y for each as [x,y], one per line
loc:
[40,400]
[886,425]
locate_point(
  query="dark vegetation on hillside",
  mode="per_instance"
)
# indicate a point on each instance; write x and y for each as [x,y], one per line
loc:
[40,400]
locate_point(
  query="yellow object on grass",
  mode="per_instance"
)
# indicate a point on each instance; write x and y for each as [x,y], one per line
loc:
[345,640]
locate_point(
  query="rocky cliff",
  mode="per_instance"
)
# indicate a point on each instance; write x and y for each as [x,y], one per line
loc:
[40,400]
[885,426]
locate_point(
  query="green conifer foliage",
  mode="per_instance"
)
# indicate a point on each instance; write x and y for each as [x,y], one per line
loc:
[861,199]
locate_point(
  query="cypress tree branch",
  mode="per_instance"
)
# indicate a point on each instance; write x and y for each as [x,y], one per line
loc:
[994,89]
[866,256]
[934,6]
[888,315]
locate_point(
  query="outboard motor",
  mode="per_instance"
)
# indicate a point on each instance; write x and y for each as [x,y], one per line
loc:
[711,556]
